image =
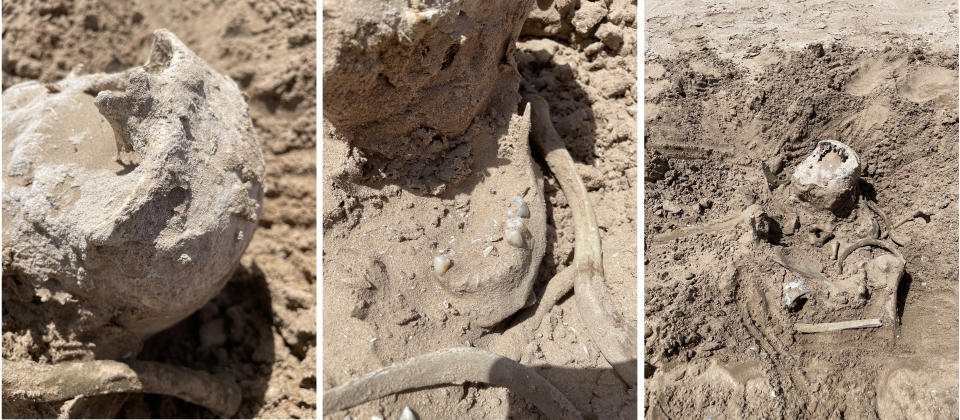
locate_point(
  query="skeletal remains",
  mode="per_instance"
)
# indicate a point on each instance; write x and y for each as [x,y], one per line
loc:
[607,328]
[828,180]
[128,200]
[450,67]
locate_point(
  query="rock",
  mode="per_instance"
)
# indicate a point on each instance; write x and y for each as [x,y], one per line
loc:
[592,49]
[359,310]
[405,65]
[763,226]
[828,177]
[656,168]
[547,22]
[407,317]
[791,222]
[613,83]
[671,207]
[610,35]
[703,204]
[587,17]
[137,191]
[775,163]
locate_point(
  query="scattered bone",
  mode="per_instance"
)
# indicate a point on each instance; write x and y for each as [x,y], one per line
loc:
[488,250]
[452,366]
[866,242]
[837,326]
[793,292]
[819,234]
[888,271]
[799,267]
[723,224]
[609,330]
[41,382]
[916,214]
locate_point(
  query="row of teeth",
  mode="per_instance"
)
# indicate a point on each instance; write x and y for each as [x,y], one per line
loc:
[516,225]
[513,233]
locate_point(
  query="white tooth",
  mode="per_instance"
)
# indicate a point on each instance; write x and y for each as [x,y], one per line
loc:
[521,210]
[487,250]
[514,237]
[441,263]
[516,223]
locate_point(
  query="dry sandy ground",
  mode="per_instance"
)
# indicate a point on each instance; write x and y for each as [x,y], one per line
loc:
[733,89]
[261,329]
[383,232]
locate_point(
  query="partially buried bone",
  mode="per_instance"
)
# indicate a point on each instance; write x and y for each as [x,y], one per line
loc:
[140,245]
[887,271]
[128,200]
[38,382]
[608,329]
[452,366]
[828,178]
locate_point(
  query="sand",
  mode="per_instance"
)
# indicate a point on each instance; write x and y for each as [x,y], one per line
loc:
[736,97]
[260,329]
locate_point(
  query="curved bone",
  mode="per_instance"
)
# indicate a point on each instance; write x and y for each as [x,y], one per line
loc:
[39,382]
[608,329]
[452,366]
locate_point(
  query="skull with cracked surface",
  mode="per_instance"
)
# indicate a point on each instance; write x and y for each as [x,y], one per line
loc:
[128,199]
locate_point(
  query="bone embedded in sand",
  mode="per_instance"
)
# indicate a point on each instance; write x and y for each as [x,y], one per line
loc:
[828,177]
[441,263]
[514,237]
[517,207]
[837,326]
[488,250]
[793,292]
[130,189]
[517,224]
